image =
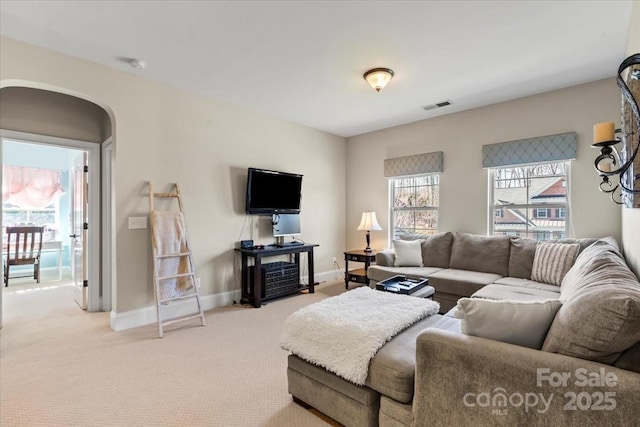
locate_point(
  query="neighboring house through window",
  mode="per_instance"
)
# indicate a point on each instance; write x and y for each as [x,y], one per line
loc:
[530,200]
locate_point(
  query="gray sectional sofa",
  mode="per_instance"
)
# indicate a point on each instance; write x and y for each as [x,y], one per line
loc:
[587,371]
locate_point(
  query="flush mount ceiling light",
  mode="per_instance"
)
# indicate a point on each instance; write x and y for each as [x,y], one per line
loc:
[378,77]
[138,64]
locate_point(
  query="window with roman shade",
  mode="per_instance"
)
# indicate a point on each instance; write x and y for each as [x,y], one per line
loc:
[529,186]
[414,193]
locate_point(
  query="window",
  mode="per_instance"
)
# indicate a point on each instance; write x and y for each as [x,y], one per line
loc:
[542,213]
[414,205]
[530,201]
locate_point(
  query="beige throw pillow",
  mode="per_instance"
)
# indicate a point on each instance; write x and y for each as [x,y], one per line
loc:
[408,253]
[523,323]
[552,261]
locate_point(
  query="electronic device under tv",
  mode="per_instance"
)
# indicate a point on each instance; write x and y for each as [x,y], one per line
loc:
[285,225]
[270,192]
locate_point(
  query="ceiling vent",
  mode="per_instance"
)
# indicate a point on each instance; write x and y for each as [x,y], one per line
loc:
[437,105]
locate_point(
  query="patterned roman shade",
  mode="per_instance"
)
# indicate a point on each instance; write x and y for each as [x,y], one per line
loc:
[418,164]
[550,148]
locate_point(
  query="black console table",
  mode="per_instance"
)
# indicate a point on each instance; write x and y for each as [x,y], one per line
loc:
[253,287]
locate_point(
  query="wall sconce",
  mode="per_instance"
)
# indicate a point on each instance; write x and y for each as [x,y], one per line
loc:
[610,158]
[369,222]
[378,77]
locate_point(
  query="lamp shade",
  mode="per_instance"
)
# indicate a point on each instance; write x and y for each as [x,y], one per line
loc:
[378,77]
[369,222]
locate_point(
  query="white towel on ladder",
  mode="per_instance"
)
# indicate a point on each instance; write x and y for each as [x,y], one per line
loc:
[170,236]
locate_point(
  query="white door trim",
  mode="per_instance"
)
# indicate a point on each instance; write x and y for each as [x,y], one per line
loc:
[107,238]
[93,303]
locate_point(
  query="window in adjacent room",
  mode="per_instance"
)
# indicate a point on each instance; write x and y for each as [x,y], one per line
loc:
[530,201]
[414,205]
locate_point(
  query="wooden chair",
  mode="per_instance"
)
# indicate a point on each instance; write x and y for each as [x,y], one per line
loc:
[23,247]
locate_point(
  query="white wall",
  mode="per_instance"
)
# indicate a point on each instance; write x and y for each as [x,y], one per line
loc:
[631,217]
[168,135]
[463,185]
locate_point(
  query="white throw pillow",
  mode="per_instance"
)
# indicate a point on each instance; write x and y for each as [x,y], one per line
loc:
[523,323]
[552,261]
[408,253]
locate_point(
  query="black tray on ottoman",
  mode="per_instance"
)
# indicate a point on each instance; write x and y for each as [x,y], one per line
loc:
[407,286]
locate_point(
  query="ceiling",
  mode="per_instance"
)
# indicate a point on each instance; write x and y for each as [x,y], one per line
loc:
[303,61]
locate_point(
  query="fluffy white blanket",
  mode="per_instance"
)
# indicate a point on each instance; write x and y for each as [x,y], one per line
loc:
[343,333]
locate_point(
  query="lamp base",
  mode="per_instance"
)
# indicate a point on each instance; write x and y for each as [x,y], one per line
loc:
[368,249]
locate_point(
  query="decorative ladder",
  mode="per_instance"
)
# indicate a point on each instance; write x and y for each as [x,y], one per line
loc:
[185,252]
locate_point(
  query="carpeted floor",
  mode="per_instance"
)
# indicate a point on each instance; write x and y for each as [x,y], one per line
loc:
[60,366]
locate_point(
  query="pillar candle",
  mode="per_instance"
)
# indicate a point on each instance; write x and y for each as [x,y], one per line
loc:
[603,132]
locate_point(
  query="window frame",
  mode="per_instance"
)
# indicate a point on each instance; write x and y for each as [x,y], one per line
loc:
[391,225]
[530,206]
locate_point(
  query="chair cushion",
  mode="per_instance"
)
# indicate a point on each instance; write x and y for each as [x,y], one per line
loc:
[552,261]
[487,254]
[392,370]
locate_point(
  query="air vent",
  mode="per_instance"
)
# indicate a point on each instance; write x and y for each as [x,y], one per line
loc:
[437,105]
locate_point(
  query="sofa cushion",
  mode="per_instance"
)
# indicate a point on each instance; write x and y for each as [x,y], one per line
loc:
[408,253]
[584,243]
[392,370]
[630,359]
[600,254]
[498,291]
[436,249]
[523,323]
[379,272]
[487,254]
[521,257]
[530,284]
[600,317]
[460,282]
[552,261]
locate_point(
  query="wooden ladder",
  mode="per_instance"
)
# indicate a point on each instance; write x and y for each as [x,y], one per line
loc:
[184,252]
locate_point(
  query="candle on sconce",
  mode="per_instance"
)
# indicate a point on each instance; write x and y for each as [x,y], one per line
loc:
[603,132]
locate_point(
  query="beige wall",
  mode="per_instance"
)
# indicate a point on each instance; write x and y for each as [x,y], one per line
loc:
[463,187]
[53,114]
[168,135]
[631,217]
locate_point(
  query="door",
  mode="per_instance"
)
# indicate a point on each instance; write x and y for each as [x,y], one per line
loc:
[79,210]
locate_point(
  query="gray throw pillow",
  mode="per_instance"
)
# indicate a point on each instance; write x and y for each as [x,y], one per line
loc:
[523,323]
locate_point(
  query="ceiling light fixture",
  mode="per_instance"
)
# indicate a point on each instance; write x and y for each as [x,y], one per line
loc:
[378,77]
[137,64]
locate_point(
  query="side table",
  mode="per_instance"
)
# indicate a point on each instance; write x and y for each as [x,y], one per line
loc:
[358,275]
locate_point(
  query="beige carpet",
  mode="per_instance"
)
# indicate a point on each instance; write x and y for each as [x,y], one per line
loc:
[60,366]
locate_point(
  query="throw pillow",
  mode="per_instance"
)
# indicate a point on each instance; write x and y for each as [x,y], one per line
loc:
[408,253]
[523,323]
[552,261]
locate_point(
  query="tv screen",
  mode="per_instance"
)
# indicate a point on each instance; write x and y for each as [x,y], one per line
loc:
[286,225]
[270,192]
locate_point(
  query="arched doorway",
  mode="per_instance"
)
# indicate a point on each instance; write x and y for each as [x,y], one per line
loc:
[49,117]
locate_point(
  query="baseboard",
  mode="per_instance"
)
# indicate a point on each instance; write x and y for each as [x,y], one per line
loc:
[149,315]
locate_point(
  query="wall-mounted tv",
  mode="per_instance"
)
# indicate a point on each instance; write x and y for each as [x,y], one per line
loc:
[270,192]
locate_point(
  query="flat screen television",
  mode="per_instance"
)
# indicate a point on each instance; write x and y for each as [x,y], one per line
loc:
[270,192]
[286,225]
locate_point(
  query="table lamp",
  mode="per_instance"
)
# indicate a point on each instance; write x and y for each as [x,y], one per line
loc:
[368,223]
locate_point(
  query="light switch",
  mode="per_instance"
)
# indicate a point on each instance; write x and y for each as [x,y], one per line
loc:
[137,222]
